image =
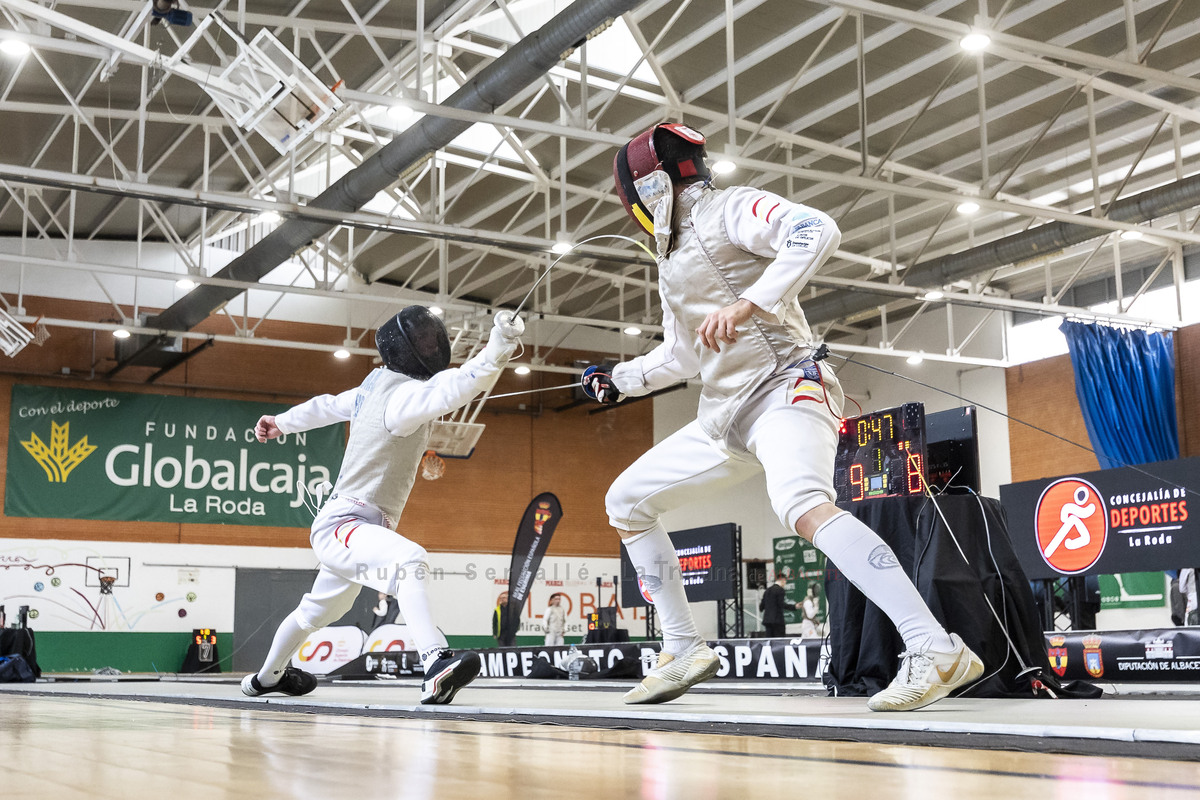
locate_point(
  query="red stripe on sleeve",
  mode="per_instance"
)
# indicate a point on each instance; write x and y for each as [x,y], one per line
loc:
[772,211]
[754,208]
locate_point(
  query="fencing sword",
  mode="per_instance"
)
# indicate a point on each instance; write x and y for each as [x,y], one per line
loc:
[542,277]
[572,385]
[554,263]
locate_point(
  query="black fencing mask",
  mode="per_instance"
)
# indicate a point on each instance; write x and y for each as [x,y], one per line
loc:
[414,343]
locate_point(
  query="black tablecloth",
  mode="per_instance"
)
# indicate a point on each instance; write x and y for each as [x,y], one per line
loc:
[865,645]
[20,642]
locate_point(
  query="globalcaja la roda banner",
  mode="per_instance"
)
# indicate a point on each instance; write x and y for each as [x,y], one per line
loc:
[81,454]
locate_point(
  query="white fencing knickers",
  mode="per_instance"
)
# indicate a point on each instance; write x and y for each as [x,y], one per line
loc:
[787,430]
[357,548]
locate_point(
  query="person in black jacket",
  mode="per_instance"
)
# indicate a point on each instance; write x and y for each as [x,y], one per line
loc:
[773,603]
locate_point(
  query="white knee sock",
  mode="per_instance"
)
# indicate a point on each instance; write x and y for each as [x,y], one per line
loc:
[411,595]
[872,567]
[653,557]
[291,634]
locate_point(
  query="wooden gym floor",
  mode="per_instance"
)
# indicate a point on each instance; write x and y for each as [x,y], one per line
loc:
[201,738]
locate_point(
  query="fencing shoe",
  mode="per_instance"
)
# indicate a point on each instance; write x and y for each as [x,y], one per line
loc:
[446,674]
[674,675]
[927,676]
[293,681]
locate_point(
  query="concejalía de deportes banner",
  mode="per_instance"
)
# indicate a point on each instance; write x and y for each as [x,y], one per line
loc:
[81,454]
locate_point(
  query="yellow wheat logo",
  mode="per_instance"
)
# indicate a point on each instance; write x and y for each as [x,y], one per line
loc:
[58,459]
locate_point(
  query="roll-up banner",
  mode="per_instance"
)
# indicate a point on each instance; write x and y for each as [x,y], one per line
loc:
[533,537]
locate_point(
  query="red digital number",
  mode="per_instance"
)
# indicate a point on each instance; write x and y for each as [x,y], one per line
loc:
[914,468]
[856,480]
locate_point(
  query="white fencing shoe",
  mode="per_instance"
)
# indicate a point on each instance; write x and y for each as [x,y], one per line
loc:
[674,675]
[927,676]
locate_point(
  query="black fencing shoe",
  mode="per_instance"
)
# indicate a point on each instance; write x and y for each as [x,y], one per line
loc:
[446,674]
[294,682]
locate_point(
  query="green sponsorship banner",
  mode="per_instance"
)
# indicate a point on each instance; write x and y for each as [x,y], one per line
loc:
[80,454]
[804,566]
[1133,590]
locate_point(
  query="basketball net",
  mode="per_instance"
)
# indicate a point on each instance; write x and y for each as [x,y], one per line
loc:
[432,466]
[40,333]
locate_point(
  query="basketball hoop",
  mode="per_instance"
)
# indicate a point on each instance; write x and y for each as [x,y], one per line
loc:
[40,334]
[106,584]
[432,467]
[13,336]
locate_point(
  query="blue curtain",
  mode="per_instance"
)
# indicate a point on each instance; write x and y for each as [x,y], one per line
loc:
[1125,382]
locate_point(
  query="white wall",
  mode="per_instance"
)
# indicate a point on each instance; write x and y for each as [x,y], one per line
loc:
[176,571]
[463,587]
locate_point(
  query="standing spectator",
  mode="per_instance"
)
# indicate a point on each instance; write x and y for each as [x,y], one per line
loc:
[810,626]
[1178,601]
[773,603]
[556,621]
[386,611]
[1187,587]
[502,628]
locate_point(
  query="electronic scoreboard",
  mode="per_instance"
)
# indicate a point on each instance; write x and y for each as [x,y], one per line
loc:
[881,454]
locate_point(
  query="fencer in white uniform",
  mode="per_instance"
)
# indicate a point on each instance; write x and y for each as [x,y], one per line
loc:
[354,534]
[731,266]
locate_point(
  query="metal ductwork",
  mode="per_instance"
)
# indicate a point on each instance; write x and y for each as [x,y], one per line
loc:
[522,64]
[1019,247]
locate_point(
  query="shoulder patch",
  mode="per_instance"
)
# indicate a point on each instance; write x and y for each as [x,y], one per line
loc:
[764,205]
[805,233]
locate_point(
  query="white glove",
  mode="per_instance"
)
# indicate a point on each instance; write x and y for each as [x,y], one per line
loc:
[509,326]
[499,350]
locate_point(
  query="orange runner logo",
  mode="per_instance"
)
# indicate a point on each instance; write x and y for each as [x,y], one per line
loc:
[1072,525]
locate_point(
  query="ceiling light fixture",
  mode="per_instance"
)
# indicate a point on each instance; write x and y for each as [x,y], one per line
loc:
[1131,235]
[121,333]
[186,284]
[437,311]
[522,370]
[632,330]
[933,295]
[562,243]
[14,48]
[967,207]
[974,42]
[399,111]
[341,352]
[915,359]
[724,165]
[267,218]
